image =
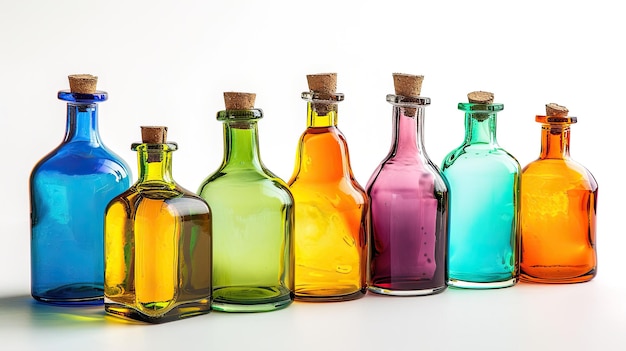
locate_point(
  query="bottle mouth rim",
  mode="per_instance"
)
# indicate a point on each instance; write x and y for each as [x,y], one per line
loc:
[556,119]
[168,146]
[475,107]
[322,97]
[240,115]
[98,96]
[409,101]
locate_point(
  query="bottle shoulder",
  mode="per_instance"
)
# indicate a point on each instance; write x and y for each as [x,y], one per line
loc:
[333,191]
[401,176]
[249,185]
[565,171]
[480,157]
[74,159]
[176,197]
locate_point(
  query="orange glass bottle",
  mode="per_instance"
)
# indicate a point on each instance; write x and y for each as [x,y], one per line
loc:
[558,216]
[330,206]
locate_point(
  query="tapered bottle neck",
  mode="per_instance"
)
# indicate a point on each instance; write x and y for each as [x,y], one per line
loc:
[555,136]
[408,121]
[323,152]
[322,108]
[321,115]
[241,145]
[481,123]
[155,163]
[241,138]
[82,116]
[82,124]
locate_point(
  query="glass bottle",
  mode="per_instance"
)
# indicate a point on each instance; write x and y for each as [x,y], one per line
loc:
[69,189]
[484,208]
[157,242]
[331,207]
[252,219]
[559,199]
[408,220]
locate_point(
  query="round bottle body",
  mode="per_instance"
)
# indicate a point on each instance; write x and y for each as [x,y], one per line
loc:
[252,228]
[330,214]
[558,222]
[408,229]
[70,189]
[484,210]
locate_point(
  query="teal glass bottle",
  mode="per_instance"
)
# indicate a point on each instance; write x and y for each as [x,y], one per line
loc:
[484,184]
[69,190]
[157,242]
[253,219]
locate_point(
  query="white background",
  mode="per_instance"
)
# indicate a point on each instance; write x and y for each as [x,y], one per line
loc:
[168,63]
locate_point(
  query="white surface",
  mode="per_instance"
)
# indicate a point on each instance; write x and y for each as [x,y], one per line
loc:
[169,62]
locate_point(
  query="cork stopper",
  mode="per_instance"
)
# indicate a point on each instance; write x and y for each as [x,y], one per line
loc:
[480,97]
[83,83]
[407,84]
[154,134]
[323,82]
[239,101]
[554,110]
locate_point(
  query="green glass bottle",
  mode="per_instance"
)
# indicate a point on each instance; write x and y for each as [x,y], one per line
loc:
[252,219]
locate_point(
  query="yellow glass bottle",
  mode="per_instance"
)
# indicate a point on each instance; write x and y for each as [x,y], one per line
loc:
[157,242]
[559,200]
[330,206]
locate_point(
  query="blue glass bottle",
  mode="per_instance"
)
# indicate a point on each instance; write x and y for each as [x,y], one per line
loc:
[484,202]
[69,190]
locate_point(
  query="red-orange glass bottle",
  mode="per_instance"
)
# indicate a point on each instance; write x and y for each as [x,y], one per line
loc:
[558,215]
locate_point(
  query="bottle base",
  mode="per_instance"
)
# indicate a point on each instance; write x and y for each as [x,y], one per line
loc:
[417,292]
[251,299]
[552,280]
[327,295]
[71,294]
[557,274]
[463,284]
[183,310]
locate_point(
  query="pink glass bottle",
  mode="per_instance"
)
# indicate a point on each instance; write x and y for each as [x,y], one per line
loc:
[408,219]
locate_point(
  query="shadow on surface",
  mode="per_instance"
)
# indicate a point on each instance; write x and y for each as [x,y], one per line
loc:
[19,311]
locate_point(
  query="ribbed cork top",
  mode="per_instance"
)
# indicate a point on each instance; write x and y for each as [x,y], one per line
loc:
[407,84]
[83,83]
[154,134]
[480,97]
[239,101]
[323,82]
[554,110]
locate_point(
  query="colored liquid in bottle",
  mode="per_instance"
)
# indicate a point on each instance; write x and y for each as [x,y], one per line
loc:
[158,260]
[330,211]
[249,267]
[66,249]
[483,216]
[407,217]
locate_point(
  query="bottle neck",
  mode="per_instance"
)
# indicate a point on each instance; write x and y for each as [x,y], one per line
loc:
[407,133]
[321,115]
[480,128]
[155,163]
[82,123]
[554,141]
[241,144]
